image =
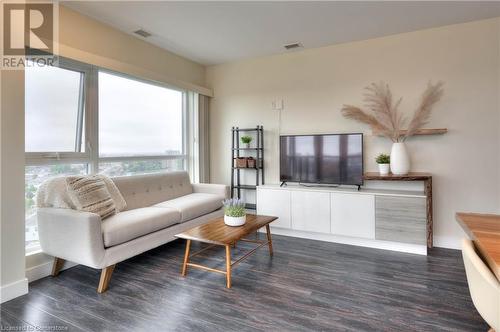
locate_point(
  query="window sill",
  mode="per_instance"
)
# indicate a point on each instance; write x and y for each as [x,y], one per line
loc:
[36,258]
[34,252]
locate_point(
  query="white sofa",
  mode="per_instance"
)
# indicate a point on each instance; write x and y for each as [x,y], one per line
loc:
[158,207]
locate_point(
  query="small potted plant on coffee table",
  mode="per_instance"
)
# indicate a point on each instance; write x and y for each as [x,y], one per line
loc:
[383,161]
[246,140]
[234,212]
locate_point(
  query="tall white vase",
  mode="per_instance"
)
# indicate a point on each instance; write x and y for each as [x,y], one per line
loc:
[400,161]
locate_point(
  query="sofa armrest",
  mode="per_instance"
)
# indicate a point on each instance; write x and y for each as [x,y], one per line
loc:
[209,188]
[72,235]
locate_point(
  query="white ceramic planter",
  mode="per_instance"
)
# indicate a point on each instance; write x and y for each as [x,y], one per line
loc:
[383,169]
[400,161]
[235,221]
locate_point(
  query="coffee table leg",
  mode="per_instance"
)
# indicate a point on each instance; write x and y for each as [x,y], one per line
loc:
[186,258]
[228,266]
[269,240]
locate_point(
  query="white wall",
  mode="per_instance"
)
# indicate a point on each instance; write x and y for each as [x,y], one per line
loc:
[85,39]
[94,38]
[12,277]
[315,83]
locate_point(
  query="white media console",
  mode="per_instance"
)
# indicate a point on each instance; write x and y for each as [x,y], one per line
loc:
[377,218]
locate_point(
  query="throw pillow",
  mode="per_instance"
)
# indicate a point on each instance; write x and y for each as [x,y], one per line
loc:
[90,194]
[115,193]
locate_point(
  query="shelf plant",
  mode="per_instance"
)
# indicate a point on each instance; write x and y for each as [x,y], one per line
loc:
[246,140]
[383,160]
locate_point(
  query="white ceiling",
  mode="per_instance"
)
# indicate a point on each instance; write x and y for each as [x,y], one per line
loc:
[218,32]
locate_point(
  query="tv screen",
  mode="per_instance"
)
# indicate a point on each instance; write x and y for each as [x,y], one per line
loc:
[322,159]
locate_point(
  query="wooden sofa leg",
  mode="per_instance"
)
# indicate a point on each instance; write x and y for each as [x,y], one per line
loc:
[57,266]
[105,278]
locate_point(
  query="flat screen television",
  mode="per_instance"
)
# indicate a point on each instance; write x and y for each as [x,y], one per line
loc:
[335,159]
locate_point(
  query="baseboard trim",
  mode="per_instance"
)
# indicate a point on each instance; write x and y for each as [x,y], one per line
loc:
[447,242]
[377,244]
[44,270]
[13,290]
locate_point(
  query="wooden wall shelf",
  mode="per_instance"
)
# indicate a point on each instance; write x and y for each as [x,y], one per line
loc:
[412,176]
[423,131]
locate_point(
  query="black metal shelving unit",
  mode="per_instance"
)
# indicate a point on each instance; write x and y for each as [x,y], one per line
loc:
[236,185]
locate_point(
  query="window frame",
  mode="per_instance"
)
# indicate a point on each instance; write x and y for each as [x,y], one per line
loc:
[41,158]
[37,250]
[89,104]
[185,153]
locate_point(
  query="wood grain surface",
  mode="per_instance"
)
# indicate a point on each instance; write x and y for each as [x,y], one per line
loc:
[484,229]
[400,219]
[422,131]
[306,286]
[413,176]
[216,232]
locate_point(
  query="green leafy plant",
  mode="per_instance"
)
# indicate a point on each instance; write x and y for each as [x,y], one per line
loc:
[383,159]
[246,139]
[234,207]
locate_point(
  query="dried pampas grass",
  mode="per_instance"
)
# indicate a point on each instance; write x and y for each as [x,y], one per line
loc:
[386,118]
[430,97]
[355,113]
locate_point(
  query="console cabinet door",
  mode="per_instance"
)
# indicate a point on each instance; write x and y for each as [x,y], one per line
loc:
[401,219]
[272,202]
[311,211]
[353,215]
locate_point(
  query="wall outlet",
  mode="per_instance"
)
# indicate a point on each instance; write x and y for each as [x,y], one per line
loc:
[277,105]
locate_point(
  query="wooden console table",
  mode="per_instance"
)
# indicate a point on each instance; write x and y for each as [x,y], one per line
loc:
[412,176]
[484,230]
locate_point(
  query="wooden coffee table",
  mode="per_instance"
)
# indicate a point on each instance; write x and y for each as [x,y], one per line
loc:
[216,233]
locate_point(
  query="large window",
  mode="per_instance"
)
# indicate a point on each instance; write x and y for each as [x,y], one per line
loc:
[54,109]
[34,177]
[137,121]
[81,119]
[54,131]
[140,166]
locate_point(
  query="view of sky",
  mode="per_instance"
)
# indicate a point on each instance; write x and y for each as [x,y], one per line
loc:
[154,113]
[51,109]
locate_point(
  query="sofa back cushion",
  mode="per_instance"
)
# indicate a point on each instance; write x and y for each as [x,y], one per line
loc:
[150,189]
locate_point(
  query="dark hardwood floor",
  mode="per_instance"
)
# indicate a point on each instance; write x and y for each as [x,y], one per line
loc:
[307,286]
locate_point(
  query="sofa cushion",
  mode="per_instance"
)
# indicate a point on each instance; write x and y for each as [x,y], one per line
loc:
[193,205]
[145,190]
[128,225]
